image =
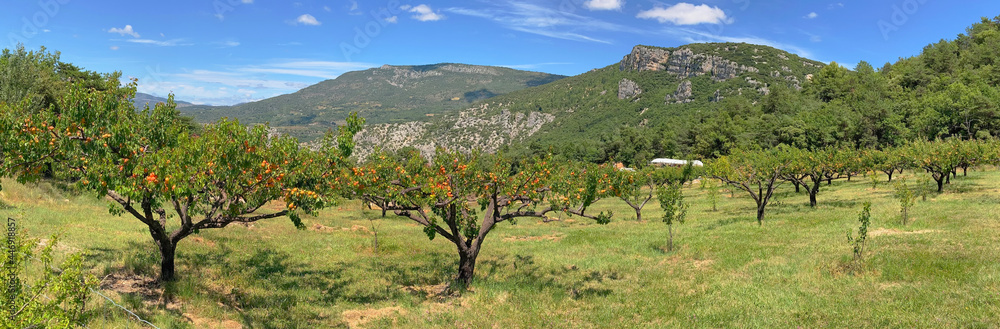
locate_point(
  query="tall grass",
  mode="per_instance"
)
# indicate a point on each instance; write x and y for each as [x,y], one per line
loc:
[940,271]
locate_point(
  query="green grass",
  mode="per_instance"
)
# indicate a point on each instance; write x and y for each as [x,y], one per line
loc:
[941,271]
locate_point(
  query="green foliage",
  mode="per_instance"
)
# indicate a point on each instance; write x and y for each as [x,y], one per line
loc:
[758,173]
[859,243]
[904,193]
[671,199]
[51,298]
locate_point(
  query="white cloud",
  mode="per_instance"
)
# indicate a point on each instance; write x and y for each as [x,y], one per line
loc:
[166,43]
[247,1]
[405,7]
[687,14]
[812,15]
[308,20]
[604,4]
[114,47]
[228,43]
[424,13]
[393,19]
[127,30]
[327,9]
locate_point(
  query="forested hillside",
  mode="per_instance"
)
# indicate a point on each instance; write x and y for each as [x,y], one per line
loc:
[703,100]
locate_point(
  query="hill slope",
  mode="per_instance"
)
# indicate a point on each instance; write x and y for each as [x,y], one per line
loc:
[141,100]
[389,94]
[649,86]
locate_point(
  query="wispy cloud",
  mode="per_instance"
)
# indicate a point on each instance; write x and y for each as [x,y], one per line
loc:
[812,15]
[532,66]
[604,4]
[241,84]
[687,14]
[228,43]
[307,19]
[127,30]
[160,43]
[314,69]
[540,20]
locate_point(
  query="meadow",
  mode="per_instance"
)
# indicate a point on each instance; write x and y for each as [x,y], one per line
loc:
[939,271]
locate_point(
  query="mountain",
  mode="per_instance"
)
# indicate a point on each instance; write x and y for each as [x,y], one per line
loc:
[651,86]
[388,94]
[141,100]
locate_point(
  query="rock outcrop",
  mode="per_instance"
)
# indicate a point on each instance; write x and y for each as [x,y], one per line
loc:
[471,129]
[628,89]
[683,63]
[684,93]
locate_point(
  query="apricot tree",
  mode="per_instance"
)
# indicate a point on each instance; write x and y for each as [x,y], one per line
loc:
[462,197]
[146,162]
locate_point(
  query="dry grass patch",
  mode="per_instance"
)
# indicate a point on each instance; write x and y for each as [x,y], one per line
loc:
[888,232]
[551,237]
[357,318]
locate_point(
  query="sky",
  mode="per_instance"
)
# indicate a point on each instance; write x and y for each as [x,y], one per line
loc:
[223,52]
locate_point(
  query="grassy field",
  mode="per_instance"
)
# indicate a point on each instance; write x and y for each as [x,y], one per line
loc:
[940,271]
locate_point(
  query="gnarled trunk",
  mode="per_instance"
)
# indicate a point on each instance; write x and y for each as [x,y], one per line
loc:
[167,252]
[467,266]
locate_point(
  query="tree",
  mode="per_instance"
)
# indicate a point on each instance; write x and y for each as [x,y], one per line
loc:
[441,195]
[814,167]
[937,158]
[906,197]
[637,188]
[671,199]
[146,163]
[756,172]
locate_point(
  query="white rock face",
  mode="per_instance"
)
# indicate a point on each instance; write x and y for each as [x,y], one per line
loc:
[472,129]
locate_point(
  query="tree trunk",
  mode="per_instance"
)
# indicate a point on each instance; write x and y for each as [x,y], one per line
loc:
[670,238]
[965,171]
[890,175]
[797,190]
[638,214]
[760,213]
[812,194]
[940,182]
[466,266]
[167,251]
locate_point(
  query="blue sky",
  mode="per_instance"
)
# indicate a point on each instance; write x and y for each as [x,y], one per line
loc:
[223,52]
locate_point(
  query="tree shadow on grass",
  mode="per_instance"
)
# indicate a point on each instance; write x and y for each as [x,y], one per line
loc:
[568,281]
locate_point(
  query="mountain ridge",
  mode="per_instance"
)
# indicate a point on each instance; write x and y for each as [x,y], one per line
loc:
[384,94]
[649,86]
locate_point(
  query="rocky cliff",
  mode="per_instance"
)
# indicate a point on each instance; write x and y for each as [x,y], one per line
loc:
[474,128]
[683,62]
